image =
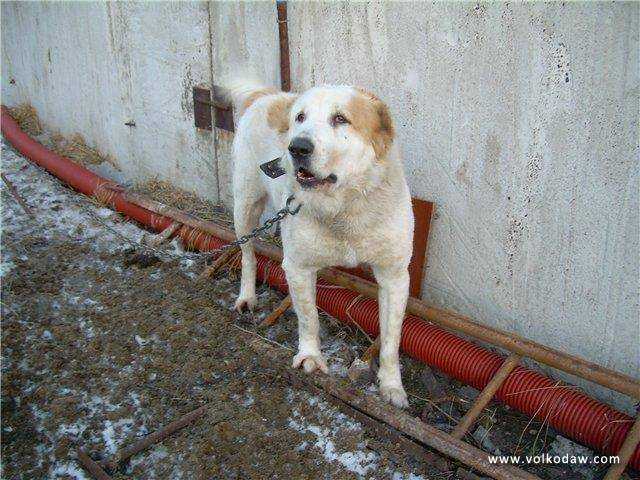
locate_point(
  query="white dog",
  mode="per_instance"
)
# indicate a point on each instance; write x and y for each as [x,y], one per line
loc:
[337,147]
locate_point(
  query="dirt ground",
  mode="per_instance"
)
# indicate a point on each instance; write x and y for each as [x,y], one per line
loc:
[98,351]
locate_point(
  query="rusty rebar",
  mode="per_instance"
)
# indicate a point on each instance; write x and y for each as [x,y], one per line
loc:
[16,196]
[273,317]
[486,395]
[283,40]
[219,262]
[91,466]
[626,452]
[163,236]
[153,438]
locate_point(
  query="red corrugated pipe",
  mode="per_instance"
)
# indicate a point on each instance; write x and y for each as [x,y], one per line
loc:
[564,408]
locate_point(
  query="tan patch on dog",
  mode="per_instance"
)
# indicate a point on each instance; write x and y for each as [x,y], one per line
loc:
[370,117]
[278,113]
[255,96]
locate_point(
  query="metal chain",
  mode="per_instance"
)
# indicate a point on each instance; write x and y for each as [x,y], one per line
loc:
[278,217]
[282,213]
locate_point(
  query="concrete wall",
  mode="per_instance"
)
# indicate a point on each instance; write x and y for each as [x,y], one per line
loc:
[90,67]
[519,121]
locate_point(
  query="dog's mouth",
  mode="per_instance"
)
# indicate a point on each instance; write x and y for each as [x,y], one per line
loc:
[309,180]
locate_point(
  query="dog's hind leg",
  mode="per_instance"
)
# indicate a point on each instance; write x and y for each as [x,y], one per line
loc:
[392,297]
[246,215]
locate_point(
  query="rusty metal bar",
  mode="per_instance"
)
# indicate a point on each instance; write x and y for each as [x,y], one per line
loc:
[400,420]
[363,364]
[283,35]
[514,343]
[216,104]
[486,395]
[625,453]
[222,110]
[219,262]
[153,438]
[202,108]
[371,352]
[163,236]
[273,317]
[91,466]
[16,196]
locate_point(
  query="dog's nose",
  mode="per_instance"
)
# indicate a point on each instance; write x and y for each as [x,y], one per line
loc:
[301,148]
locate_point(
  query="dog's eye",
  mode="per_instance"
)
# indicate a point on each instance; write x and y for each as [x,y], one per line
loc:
[339,119]
[300,117]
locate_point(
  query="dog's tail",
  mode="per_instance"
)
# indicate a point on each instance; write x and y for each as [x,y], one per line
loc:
[244,91]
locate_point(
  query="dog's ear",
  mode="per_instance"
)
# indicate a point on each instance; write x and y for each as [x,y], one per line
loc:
[371,117]
[278,112]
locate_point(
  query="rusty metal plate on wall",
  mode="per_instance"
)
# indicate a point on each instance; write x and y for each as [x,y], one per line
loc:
[222,116]
[223,113]
[202,107]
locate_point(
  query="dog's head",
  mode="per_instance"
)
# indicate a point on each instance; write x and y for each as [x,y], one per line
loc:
[337,137]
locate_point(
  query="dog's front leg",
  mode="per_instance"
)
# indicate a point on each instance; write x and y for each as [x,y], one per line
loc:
[302,287]
[392,299]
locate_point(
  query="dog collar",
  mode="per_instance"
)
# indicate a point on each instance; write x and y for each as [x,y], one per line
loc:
[273,169]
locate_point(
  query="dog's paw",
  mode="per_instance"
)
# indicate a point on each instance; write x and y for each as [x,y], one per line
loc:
[310,362]
[394,395]
[243,304]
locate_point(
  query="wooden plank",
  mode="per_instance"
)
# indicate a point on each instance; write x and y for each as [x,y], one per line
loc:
[500,338]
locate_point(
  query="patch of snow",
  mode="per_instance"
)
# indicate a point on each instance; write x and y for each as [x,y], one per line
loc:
[86,328]
[144,341]
[67,470]
[246,401]
[359,461]
[150,458]
[72,429]
[114,433]
[135,398]
[410,476]
[6,265]
[64,213]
